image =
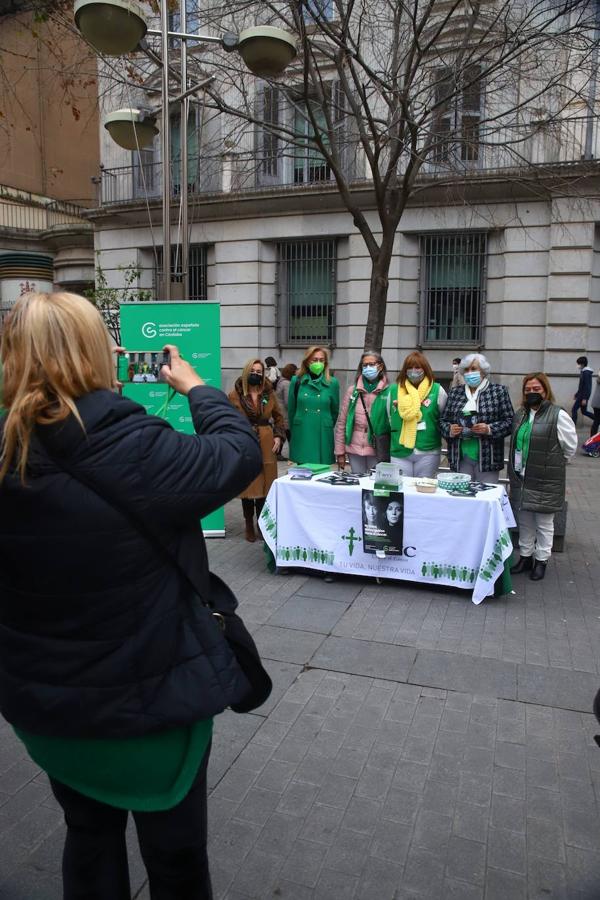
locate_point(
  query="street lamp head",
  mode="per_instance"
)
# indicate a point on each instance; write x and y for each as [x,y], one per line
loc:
[112,27]
[267,51]
[131,129]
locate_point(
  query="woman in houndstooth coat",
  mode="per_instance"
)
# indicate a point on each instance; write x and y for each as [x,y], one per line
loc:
[477,418]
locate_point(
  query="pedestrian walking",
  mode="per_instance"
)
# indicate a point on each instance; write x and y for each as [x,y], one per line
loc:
[272,373]
[595,404]
[107,658]
[282,392]
[313,407]
[476,420]
[584,389]
[543,439]
[457,377]
[255,398]
[410,412]
[353,431]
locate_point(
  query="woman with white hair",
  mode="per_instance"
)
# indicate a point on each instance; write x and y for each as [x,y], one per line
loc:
[477,418]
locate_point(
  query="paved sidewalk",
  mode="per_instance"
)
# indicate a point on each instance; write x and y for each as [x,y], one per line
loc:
[415,746]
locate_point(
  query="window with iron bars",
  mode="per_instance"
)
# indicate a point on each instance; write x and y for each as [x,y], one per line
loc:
[306,281]
[198,270]
[453,273]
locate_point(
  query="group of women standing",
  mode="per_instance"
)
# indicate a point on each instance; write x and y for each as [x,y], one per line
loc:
[301,408]
[413,415]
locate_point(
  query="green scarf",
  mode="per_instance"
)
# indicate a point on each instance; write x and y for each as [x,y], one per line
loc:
[523,438]
[352,413]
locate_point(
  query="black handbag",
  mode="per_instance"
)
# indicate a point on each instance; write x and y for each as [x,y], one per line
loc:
[381,442]
[222,605]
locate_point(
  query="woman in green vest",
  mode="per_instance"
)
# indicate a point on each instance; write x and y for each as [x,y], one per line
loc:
[543,439]
[313,407]
[410,412]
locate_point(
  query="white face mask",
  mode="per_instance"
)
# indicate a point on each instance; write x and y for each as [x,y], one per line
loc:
[455,367]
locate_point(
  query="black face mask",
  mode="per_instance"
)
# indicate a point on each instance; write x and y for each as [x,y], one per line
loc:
[533,399]
[254,378]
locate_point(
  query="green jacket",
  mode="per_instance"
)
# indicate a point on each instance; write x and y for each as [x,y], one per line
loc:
[312,413]
[386,420]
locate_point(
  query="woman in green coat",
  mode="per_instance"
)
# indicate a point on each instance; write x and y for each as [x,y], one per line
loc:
[313,406]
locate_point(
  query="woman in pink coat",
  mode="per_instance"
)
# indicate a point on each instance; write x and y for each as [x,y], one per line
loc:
[353,432]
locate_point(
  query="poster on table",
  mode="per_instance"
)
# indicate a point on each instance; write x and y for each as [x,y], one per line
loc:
[195,329]
[383,523]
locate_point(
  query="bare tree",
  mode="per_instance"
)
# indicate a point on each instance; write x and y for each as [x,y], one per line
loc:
[108,300]
[393,95]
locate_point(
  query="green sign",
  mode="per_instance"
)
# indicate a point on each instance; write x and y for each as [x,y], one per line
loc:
[194,328]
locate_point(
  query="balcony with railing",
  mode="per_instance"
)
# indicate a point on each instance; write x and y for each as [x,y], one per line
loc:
[35,216]
[537,147]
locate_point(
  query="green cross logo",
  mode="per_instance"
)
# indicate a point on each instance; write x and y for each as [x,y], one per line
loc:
[352,539]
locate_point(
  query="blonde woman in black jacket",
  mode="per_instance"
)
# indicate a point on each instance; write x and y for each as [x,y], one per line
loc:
[111,669]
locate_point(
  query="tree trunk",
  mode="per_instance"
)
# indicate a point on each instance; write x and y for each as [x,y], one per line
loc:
[378,293]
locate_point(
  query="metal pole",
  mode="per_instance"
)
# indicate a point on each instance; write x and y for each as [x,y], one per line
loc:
[185,105]
[166,152]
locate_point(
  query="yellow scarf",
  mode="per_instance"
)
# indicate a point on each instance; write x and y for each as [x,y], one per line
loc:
[410,399]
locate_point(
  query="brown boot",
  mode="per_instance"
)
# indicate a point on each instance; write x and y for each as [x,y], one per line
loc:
[250,533]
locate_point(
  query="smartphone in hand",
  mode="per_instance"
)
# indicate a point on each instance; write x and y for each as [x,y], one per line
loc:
[142,366]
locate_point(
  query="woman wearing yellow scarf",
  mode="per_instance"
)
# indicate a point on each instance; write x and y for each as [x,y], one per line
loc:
[410,412]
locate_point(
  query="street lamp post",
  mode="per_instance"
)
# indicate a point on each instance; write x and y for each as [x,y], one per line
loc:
[117,27]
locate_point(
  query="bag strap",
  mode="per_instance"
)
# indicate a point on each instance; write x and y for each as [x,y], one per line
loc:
[134,520]
[362,400]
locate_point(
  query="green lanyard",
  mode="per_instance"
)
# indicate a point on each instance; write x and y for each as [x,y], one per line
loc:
[162,412]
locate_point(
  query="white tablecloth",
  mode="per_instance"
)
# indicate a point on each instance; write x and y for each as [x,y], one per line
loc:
[458,541]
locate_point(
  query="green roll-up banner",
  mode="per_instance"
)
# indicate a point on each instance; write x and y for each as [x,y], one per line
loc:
[195,329]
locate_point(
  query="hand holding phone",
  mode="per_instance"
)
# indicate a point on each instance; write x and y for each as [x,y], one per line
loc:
[178,373]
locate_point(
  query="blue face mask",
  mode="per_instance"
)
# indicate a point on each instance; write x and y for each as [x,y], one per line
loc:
[370,372]
[473,379]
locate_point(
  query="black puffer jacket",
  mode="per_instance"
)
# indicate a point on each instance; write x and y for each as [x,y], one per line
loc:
[98,636]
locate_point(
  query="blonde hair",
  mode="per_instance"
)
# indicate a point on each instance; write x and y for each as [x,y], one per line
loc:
[304,370]
[246,371]
[55,348]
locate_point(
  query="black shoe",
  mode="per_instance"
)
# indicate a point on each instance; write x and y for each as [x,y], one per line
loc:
[524,565]
[597,714]
[539,570]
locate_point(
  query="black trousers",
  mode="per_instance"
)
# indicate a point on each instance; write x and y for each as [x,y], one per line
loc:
[172,844]
[596,423]
[577,407]
[249,505]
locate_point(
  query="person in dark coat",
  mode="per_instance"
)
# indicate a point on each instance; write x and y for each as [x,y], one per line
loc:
[111,668]
[584,389]
[595,404]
